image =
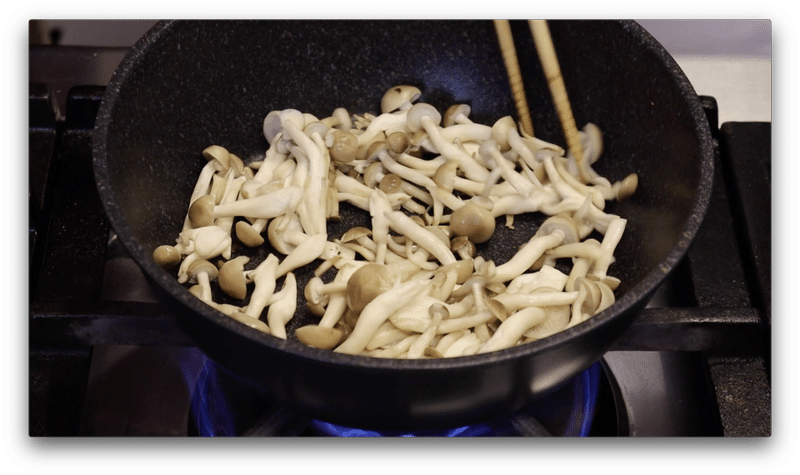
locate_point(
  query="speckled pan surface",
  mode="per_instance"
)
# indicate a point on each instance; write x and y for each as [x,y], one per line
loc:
[187,85]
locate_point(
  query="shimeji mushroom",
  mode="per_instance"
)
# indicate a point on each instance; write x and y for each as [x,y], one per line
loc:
[282,308]
[555,231]
[206,242]
[202,272]
[404,225]
[231,277]
[557,318]
[372,279]
[546,276]
[267,206]
[512,329]
[399,98]
[473,221]
[437,312]
[378,311]
[339,119]
[218,160]
[425,116]
[263,276]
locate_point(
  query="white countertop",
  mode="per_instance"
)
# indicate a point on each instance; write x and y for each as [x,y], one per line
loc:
[730,60]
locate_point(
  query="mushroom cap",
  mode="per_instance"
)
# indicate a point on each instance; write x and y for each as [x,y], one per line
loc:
[344,147]
[202,265]
[417,112]
[472,221]
[561,223]
[250,321]
[313,291]
[353,234]
[272,125]
[445,175]
[391,183]
[201,212]
[366,283]
[371,174]
[463,268]
[500,131]
[452,113]
[218,153]
[315,126]
[398,142]
[463,244]
[231,277]
[319,337]
[397,96]
[166,256]
[248,235]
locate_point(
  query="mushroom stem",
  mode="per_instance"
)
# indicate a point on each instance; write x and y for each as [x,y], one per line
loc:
[512,329]
[376,312]
[401,223]
[264,278]
[282,310]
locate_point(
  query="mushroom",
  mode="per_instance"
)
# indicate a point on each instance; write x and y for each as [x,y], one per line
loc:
[557,317]
[555,231]
[473,221]
[457,114]
[404,225]
[264,278]
[167,256]
[339,119]
[512,329]
[282,309]
[426,117]
[267,206]
[202,272]
[318,292]
[201,243]
[376,312]
[437,312]
[231,277]
[371,280]
[399,98]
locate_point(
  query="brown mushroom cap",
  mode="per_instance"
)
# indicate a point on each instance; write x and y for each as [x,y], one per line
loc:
[418,111]
[231,277]
[218,153]
[345,146]
[391,183]
[166,256]
[398,142]
[397,96]
[473,221]
[561,223]
[366,283]
[463,246]
[453,112]
[250,321]
[201,212]
[199,266]
[319,337]
[248,235]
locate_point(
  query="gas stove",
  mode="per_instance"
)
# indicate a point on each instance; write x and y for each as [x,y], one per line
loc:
[106,359]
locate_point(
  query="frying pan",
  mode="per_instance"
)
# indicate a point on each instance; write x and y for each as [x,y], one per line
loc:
[190,84]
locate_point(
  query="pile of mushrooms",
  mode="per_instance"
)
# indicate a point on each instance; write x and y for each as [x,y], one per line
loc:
[412,284]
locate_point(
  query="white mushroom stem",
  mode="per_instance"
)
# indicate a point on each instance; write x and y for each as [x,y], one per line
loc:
[610,241]
[527,256]
[379,207]
[306,252]
[515,302]
[547,276]
[414,176]
[264,278]
[466,132]
[417,348]
[427,117]
[282,310]
[267,206]
[382,123]
[512,329]
[317,174]
[465,322]
[337,302]
[491,154]
[404,225]
[378,311]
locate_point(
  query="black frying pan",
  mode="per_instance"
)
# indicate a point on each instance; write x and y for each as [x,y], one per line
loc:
[187,85]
